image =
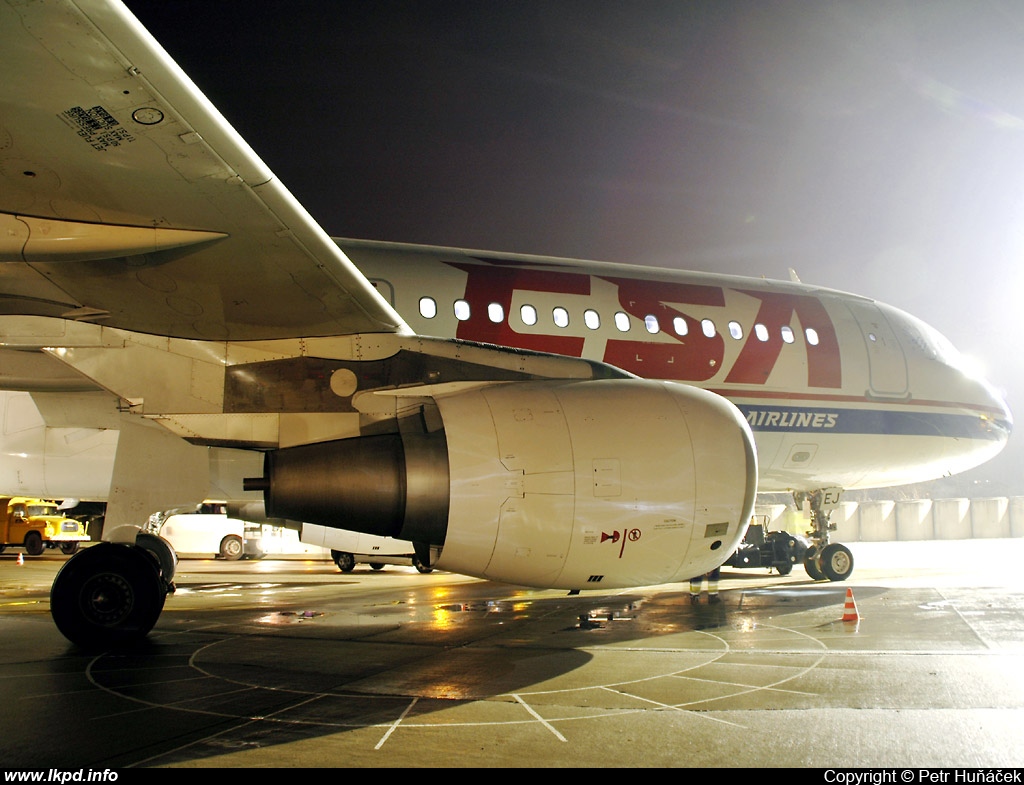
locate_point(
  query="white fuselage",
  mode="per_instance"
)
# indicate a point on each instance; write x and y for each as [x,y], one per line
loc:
[838,389]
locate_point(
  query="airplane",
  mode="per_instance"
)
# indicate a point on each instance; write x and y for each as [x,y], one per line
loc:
[537,421]
[52,456]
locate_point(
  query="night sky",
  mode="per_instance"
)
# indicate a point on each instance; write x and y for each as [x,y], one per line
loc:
[874,147]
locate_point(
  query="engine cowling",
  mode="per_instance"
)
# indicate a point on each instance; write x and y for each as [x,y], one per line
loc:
[556,484]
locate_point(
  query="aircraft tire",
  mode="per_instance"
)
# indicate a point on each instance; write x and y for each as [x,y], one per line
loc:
[346,561]
[107,595]
[420,566]
[812,566]
[836,562]
[232,548]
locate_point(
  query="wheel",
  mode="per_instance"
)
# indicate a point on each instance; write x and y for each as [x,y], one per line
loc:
[420,566]
[376,566]
[232,547]
[68,547]
[836,562]
[784,568]
[33,544]
[812,566]
[346,561]
[107,595]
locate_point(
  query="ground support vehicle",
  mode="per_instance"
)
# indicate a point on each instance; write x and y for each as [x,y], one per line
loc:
[779,549]
[350,548]
[209,532]
[37,524]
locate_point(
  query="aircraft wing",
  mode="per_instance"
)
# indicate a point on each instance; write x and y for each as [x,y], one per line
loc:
[127,199]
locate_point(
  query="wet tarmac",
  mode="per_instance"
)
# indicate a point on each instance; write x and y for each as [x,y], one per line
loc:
[289,663]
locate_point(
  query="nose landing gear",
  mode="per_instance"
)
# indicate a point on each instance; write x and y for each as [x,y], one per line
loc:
[824,560]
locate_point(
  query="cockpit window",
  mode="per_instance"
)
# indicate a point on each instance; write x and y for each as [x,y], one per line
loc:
[930,342]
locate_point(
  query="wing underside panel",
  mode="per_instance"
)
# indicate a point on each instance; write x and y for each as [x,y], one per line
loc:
[98,126]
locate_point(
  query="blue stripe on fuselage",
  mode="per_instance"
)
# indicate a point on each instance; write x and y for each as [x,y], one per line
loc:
[842,419]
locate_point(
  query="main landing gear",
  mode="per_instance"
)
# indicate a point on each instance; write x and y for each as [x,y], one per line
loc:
[824,560]
[112,593]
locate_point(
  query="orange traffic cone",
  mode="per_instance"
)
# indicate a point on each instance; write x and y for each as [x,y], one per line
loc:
[21,559]
[850,609]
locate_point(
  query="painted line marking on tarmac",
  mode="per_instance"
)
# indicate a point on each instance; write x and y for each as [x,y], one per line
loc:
[539,719]
[394,725]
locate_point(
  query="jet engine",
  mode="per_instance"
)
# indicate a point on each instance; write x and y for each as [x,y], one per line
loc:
[557,484]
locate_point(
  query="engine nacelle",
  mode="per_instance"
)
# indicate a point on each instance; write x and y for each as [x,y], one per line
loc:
[555,484]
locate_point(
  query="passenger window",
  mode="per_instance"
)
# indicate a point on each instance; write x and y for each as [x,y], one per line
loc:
[708,327]
[528,314]
[592,319]
[735,330]
[496,313]
[428,308]
[787,334]
[812,336]
[679,325]
[622,322]
[461,310]
[651,323]
[561,317]
[761,332]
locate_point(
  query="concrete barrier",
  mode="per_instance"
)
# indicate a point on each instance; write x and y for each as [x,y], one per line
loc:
[909,520]
[1016,505]
[990,518]
[774,517]
[846,518]
[877,521]
[914,520]
[952,519]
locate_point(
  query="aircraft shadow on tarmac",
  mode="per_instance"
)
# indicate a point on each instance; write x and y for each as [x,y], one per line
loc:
[237,678]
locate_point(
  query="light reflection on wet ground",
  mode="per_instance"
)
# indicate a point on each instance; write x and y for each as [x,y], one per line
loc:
[284,664]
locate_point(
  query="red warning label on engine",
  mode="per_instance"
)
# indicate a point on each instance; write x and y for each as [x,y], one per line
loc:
[621,538]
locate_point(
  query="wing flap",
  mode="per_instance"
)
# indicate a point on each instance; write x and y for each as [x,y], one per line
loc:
[40,239]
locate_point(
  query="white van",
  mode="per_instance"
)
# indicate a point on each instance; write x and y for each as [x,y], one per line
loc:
[209,533]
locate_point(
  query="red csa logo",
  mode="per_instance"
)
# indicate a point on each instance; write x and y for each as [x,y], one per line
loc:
[692,357]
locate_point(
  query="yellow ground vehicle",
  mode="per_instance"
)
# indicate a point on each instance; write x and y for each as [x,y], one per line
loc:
[37,524]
